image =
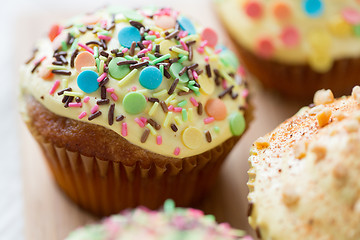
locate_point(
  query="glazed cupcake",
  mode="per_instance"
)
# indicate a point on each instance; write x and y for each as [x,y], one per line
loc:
[169,223]
[303,179]
[297,47]
[131,107]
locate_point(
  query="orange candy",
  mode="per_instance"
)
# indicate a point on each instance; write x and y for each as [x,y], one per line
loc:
[216,108]
[281,11]
[84,59]
[54,32]
[44,72]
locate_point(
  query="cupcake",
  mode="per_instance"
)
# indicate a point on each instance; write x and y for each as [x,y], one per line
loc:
[169,223]
[132,107]
[297,47]
[303,179]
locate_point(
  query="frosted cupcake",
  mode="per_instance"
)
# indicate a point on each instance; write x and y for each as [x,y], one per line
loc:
[304,174]
[133,107]
[169,223]
[297,47]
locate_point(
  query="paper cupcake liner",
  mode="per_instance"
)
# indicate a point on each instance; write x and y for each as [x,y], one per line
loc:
[106,187]
[301,81]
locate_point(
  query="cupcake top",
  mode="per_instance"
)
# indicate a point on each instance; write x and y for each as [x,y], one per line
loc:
[151,75]
[304,175]
[168,224]
[315,32]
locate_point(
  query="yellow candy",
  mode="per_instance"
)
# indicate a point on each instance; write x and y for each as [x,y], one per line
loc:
[319,39]
[192,137]
[339,27]
[320,62]
[164,48]
[207,85]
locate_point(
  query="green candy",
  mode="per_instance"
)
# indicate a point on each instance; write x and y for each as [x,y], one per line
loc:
[357,30]
[175,68]
[118,72]
[229,59]
[133,15]
[237,123]
[134,103]
[169,206]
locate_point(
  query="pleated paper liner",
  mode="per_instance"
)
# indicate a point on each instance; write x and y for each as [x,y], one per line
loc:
[106,187]
[301,81]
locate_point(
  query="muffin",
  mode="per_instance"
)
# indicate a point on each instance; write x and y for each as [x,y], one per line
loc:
[131,107]
[303,179]
[168,223]
[297,47]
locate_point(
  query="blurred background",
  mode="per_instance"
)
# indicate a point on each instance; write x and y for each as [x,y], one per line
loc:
[30,204]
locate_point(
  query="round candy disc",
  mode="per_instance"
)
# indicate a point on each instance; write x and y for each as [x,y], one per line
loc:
[175,68]
[210,36]
[118,72]
[164,48]
[87,81]
[228,58]
[265,48]
[187,25]
[127,35]
[351,16]
[313,8]
[207,85]
[133,15]
[150,78]
[192,137]
[237,123]
[290,36]
[54,31]
[253,9]
[84,59]
[165,22]
[216,108]
[281,11]
[134,103]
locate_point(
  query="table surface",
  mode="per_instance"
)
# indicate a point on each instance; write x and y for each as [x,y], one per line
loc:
[51,215]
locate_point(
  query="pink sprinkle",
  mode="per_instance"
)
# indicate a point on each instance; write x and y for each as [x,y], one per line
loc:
[177,151]
[133,88]
[107,38]
[102,76]
[86,99]
[217,51]
[146,42]
[241,71]
[94,108]
[171,107]
[196,213]
[82,115]
[86,48]
[151,32]
[158,140]
[177,109]
[145,58]
[209,120]
[150,47]
[110,90]
[200,50]
[206,59]
[75,104]
[145,50]
[157,34]
[184,45]
[195,75]
[124,131]
[54,87]
[40,60]
[194,102]
[183,34]
[103,23]
[224,84]
[245,93]
[124,50]
[203,43]
[114,96]
[144,120]
[138,121]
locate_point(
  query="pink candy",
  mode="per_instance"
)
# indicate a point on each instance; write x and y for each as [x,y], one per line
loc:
[177,151]
[75,104]
[124,50]
[54,87]
[194,102]
[209,120]
[177,109]
[139,122]
[82,115]
[107,38]
[86,48]
[86,99]
[124,131]
[110,90]
[114,96]
[158,140]
[102,76]
[184,45]
[94,108]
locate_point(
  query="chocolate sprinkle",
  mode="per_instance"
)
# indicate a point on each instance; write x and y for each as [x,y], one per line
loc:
[103,82]
[191,53]
[226,91]
[65,98]
[163,106]
[208,70]
[151,99]
[136,24]
[199,72]
[183,70]
[62,72]
[102,101]
[77,99]
[127,62]
[200,109]
[103,92]
[258,234]
[157,48]
[105,54]
[172,35]
[109,28]
[64,90]
[189,43]
[217,80]
[193,66]
[141,55]
[63,59]
[36,66]
[139,65]
[190,75]
[145,135]
[94,42]
[32,56]
[250,208]
[141,46]
[114,51]
[167,74]
[73,56]
[173,60]
[120,118]
[94,115]
[182,93]
[158,55]
[234,95]
[111,114]
[58,63]
[153,123]
[173,86]
[174,127]
[132,48]
[208,136]
[68,100]
[119,54]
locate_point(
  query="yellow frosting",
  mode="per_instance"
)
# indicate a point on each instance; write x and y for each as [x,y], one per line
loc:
[172,142]
[331,34]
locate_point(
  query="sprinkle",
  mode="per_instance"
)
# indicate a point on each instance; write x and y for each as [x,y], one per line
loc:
[163,106]
[190,114]
[184,45]
[153,108]
[77,104]
[126,62]
[86,99]
[171,108]
[158,140]
[119,118]
[194,102]
[160,93]
[173,86]
[136,24]
[94,109]
[107,38]
[74,94]
[110,90]
[173,127]
[86,48]
[182,103]
[104,81]
[209,120]
[139,65]
[167,119]
[64,90]
[172,35]
[195,75]
[111,114]
[177,109]
[139,122]
[177,151]
[127,77]
[62,72]
[103,92]
[154,124]
[124,131]
[208,70]
[200,109]
[94,115]
[184,115]
[178,120]
[54,87]
[68,99]
[114,96]
[82,115]
[170,98]
[37,64]
[93,68]
[178,50]
[160,59]
[102,101]
[226,91]
[102,76]
[208,136]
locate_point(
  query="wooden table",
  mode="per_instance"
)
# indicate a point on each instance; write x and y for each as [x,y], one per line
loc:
[49,214]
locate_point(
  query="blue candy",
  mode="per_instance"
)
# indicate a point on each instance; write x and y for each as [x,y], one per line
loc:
[127,35]
[87,81]
[150,78]
[187,25]
[313,8]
